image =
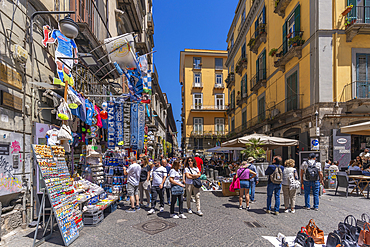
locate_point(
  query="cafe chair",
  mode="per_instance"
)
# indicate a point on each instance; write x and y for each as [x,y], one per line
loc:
[343,181]
[355,172]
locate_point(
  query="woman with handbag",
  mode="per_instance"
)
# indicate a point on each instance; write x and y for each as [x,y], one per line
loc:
[245,175]
[145,182]
[177,190]
[290,185]
[192,173]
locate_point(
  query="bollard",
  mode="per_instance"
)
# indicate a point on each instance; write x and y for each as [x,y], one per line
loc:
[211,174]
[207,172]
[215,174]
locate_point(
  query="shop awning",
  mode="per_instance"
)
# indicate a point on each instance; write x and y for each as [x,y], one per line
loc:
[357,129]
[270,142]
[219,149]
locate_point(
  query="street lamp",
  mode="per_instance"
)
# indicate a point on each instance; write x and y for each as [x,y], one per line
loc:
[87,59]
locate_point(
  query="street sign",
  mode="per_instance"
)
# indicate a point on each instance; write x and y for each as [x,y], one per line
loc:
[315,144]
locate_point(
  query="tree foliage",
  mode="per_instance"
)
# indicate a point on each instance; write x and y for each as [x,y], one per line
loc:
[253,148]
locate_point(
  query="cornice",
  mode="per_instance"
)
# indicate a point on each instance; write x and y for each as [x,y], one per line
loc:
[244,30]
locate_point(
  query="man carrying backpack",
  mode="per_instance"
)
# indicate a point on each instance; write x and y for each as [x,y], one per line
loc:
[275,173]
[311,177]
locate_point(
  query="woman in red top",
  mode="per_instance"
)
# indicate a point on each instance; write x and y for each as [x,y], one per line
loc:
[245,175]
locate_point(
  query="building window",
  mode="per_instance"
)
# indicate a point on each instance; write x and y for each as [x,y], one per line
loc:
[243,51]
[232,124]
[232,67]
[219,64]
[261,109]
[243,16]
[232,99]
[219,126]
[218,80]
[219,101]
[197,63]
[198,125]
[244,117]
[243,86]
[232,41]
[197,101]
[261,66]
[362,75]
[259,24]
[291,89]
[198,143]
[291,28]
[197,80]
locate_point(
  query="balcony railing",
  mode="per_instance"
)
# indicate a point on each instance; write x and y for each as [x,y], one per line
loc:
[258,38]
[209,107]
[219,86]
[241,65]
[150,22]
[197,85]
[291,103]
[280,6]
[241,98]
[356,90]
[209,134]
[230,79]
[357,22]
[291,47]
[258,80]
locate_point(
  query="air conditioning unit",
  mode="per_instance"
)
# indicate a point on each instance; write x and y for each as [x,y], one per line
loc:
[266,128]
[19,53]
[274,113]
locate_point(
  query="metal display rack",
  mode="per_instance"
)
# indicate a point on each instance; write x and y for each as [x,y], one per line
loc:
[52,174]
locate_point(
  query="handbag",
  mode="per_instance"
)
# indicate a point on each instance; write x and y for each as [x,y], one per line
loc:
[65,133]
[196,181]
[304,239]
[235,184]
[364,238]
[316,233]
[364,218]
[177,190]
[64,113]
[294,184]
[348,229]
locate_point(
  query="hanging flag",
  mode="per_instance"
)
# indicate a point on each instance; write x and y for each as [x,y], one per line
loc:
[141,126]
[143,63]
[121,50]
[119,122]
[111,126]
[126,124]
[134,126]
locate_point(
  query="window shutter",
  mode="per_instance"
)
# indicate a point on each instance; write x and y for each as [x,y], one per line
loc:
[264,15]
[264,64]
[285,41]
[257,68]
[361,68]
[255,28]
[245,84]
[297,19]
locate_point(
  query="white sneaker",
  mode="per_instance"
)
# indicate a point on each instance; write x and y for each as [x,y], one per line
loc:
[161,209]
[200,213]
[175,216]
[292,211]
[151,211]
[189,211]
[287,211]
[182,216]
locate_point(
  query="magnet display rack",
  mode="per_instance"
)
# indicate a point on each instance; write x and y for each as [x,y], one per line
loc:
[59,188]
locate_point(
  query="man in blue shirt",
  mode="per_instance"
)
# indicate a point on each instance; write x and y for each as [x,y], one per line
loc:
[273,188]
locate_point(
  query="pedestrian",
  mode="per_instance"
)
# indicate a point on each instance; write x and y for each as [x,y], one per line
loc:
[275,173]
[144,184]
[311,178]
[254,181]
[192,172]
[365,156]
[289,191]
[199,162]
[159,174]
[245,174]
[167,184]
[327,164]
[334,167]
[178,190]
[133,180]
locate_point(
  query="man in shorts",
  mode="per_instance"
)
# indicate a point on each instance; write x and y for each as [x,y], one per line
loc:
[133,179]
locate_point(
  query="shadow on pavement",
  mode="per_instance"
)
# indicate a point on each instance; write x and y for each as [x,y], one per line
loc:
[257,211]
[228,205]
[56,238]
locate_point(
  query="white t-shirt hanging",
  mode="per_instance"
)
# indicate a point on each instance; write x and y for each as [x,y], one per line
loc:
[158,174]
[53,137]
[194,171]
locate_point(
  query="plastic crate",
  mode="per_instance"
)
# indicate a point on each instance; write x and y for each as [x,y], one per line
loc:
[93,219]
[110,209]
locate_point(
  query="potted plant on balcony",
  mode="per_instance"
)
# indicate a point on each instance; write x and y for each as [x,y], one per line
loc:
[238,92]
[251,42]
[296,41]
[289,35]
[276,3]
[347,10]
[273,52]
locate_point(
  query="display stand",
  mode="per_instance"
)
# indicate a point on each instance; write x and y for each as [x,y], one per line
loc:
[59,188]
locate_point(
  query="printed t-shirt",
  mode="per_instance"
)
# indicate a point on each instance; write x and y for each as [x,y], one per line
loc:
[158,173]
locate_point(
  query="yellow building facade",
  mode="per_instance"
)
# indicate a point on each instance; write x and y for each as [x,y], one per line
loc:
[204,99]
[289,60]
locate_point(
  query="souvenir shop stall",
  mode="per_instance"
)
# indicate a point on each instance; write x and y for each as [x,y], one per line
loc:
[79,164]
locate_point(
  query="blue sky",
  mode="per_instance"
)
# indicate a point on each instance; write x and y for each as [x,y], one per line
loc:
[180,24]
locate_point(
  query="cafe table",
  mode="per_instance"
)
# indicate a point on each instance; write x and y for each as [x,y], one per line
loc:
[361,179]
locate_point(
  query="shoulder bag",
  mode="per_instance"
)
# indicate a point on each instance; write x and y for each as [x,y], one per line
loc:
[348,228]
[364,238]
[364,218]
[177,190]
[196,181]
[303,239]
[235,185]
[316,233]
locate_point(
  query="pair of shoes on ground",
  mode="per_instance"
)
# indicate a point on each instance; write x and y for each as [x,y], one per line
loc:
[198,212]
[289,211]
[133,210]
[241,207]
[152,211]
[180,216]
[308,208]
[271,212]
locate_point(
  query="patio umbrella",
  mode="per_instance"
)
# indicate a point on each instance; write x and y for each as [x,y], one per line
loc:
[357,129]
[219,149]
[269,142]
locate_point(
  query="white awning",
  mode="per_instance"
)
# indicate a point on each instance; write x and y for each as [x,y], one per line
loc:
[357,129]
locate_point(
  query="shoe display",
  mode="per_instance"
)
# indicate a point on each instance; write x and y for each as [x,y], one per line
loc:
[189,211]
[151,211]
[174,216]
[161,209]
[182,216]
[131,210]
[200,213]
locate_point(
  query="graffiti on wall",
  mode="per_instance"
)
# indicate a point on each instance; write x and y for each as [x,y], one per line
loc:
[9,185]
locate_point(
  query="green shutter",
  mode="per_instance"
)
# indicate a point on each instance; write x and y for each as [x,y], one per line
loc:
[245,84]
[352,14]
[297,19]
[264,64]
[241,86]
[285,40]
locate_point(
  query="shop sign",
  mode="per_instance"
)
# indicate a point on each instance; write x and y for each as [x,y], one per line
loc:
[341,148]
[119,123]
[10,76]
[126,125]
[11,101]
[111,126]
[315,144]
[342,141]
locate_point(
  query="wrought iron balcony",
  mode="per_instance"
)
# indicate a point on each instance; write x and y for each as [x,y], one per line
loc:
[258,38]
[219,86]
[280,7]
[230,79]
[241,98]
[357,22]
[355,90]
[230,109]
[291,47]
[258,80]
[200,107]
[208,134]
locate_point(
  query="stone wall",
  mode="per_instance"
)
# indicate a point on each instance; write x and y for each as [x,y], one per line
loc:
[11,220]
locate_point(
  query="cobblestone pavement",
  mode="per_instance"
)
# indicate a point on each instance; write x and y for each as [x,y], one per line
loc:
[223,224]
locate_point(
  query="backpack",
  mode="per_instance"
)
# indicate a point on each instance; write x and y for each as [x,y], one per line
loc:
[277,176]
[312,173]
